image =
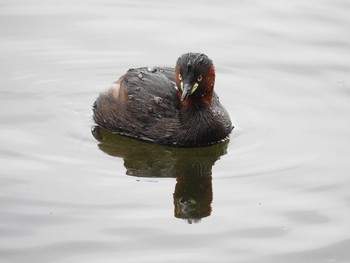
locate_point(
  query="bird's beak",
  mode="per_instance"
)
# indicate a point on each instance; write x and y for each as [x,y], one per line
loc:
[186,91]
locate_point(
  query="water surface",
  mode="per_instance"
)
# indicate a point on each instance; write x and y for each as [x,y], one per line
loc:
[278,191]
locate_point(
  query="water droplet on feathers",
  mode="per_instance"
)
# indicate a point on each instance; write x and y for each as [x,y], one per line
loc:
[151,69]
[157,100]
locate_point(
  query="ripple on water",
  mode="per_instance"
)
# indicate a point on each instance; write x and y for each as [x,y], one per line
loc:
[306,217]
[278,194]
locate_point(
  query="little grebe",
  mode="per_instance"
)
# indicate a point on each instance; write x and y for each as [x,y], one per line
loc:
[168,106]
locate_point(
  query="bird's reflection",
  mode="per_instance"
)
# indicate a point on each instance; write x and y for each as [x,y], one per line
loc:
[191,167]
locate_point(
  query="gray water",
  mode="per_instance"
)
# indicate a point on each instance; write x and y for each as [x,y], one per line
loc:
[278,191]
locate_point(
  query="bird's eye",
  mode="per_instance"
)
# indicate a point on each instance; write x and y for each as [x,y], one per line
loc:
[180,77]
[199,78]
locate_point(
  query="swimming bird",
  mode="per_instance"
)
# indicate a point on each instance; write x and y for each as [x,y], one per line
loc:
[164,105]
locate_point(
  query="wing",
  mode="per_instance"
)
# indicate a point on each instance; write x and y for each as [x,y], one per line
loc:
[142,104]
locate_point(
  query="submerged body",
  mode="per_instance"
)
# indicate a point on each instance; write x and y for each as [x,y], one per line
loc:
[168,106]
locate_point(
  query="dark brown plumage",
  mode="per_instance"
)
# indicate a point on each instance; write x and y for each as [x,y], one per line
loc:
[167,106]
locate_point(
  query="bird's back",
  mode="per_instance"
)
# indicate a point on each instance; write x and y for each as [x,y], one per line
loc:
[142,104]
